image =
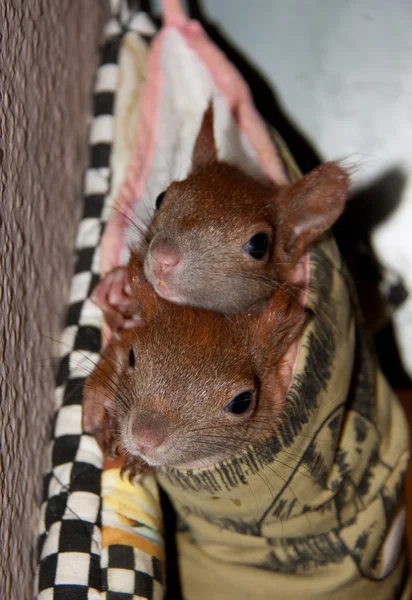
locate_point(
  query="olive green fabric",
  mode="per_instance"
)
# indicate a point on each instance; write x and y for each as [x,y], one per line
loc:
[316,510]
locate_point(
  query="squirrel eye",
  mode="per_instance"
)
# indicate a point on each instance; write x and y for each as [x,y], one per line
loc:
[132,358]
[258,246]
[239,404]
[159,200]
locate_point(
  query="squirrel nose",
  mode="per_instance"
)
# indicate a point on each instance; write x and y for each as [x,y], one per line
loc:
[164,259]
[149,431]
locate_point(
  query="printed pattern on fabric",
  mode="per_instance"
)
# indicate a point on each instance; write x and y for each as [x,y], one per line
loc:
[317,508]
[78,559]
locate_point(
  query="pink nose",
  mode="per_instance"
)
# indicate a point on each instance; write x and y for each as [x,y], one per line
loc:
[164,259]
[149,431]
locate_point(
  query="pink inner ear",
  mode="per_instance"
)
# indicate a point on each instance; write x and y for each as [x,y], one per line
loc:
[311,223]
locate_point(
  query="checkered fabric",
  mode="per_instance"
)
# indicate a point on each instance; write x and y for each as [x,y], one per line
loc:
[70,565]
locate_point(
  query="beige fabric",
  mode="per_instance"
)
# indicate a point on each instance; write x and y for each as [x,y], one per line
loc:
[316,510]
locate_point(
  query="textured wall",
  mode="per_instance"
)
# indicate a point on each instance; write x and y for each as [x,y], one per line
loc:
[48,53]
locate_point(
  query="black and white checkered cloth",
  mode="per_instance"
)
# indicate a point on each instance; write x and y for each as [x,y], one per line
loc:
[69,556]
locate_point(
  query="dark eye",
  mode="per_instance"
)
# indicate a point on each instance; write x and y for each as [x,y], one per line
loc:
[160,199]
[257,246]
[132,358]
[239,404]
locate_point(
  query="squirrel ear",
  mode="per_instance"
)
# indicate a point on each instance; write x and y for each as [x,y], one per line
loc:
[204,151]
[147,301]
[99,393]
[277,325]
[100,387]
[308,208]
[275,329]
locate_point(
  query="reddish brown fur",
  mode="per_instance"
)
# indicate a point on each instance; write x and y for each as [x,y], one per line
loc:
[208,218]
[189,363]
[205,222]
